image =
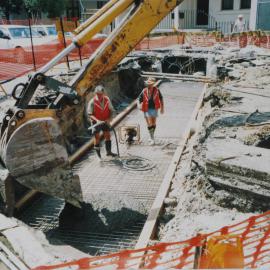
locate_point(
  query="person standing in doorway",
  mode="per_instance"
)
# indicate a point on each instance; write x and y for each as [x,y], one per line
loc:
[239,25]
[100,112]
[150,101]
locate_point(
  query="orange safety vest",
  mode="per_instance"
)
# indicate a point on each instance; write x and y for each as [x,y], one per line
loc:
[146,97]
[102,113]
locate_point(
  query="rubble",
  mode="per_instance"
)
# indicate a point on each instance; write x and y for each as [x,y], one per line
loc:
[31,247]
[226,171]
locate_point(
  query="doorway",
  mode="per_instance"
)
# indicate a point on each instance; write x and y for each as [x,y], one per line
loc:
[202,12]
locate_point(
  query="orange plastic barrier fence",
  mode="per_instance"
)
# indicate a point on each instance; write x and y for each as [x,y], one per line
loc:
[18,61]
[161,41]
[249,247]
[17,57]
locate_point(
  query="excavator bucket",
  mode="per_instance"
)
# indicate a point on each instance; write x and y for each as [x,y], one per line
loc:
[36,157]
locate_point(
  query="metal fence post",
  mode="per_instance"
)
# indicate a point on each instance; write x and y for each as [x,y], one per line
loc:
[32,45]
[64,39]
[80,53]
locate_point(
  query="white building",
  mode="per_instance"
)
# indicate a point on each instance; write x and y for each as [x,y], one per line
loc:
[212,14]
[194,14]
[259,15]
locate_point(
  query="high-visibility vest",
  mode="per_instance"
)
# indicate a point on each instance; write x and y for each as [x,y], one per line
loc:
[146,98]
[102,113]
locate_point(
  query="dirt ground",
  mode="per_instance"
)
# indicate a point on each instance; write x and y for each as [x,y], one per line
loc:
[195,205]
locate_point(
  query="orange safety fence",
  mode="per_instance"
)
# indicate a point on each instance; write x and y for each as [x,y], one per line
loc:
[252,250]
[17,57]
[206,39]
[18,61]
[161,41]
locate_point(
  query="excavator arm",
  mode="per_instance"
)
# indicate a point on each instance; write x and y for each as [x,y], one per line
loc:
[35,136]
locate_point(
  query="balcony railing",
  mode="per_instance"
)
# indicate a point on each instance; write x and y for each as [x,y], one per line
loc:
[187,20]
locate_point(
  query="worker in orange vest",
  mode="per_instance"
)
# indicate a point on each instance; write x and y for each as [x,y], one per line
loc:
[151,100]
[100,111]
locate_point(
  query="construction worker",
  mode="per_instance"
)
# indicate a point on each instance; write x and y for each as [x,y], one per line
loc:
[100,112]
[150,101]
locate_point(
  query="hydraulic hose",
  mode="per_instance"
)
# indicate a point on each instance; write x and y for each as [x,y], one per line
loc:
[116,141]
[112,129]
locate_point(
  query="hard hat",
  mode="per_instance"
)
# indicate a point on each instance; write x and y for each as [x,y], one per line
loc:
[99,89]
[150,81]
[240,16]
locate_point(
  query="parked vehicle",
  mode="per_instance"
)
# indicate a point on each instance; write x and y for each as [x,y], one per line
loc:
[15,43]
[46,30]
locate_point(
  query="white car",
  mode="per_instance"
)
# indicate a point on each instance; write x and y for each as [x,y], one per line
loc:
[15,42]
[46,30]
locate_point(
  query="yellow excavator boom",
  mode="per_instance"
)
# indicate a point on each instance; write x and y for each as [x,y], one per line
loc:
[34,137]
[139,21]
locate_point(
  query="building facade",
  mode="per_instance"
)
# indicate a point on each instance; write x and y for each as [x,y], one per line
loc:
[196,14]
[259,17]
[212,14]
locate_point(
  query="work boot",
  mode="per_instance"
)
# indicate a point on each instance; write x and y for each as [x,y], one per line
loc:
[151,133]
[97,148]
[152,137]
[108,146]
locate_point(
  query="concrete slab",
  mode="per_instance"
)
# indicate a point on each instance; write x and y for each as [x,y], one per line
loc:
[237,166]
[6,223]
[119,195]
[118,199]
[27,247]
[110,177]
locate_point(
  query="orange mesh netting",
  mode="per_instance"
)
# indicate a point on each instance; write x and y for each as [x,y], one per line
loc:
[15,62]
[249,246]
[18,59]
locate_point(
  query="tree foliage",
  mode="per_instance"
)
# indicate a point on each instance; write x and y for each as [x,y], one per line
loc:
[53,8]
[33,7]
[9,6]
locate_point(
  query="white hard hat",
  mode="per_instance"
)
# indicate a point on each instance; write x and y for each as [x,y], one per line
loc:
[99,89]
[240,16]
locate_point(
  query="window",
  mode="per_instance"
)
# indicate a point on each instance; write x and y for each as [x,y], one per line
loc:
[22,32]
[51,31]
[227,5]
[245,4]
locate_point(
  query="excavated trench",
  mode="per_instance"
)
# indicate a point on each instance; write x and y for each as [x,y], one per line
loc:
[265,143]
[184,65]
[118,200]
[174,64]
[84,228]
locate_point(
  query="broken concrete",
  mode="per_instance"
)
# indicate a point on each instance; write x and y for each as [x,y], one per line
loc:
[235,166]
[31,247]
[224,176]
